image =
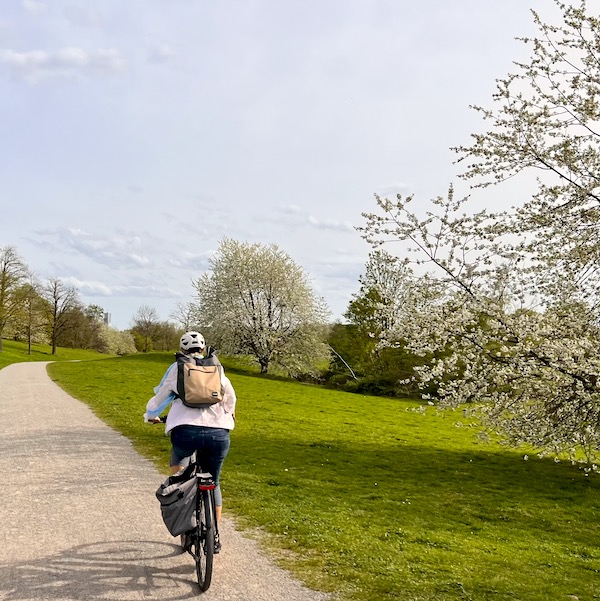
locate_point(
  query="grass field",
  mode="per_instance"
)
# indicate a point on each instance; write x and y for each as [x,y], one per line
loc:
[362,496]
[15,352]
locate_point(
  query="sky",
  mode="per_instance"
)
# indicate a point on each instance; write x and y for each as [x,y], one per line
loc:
[135,136]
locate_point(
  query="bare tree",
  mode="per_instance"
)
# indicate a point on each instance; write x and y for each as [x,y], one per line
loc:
[185,315]
[166,336]
[145,323]
[61,299]
[13,273]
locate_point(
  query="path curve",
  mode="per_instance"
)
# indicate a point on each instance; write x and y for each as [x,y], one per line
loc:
[79,518]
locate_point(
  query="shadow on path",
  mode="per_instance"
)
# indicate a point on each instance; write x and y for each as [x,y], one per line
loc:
[120,570]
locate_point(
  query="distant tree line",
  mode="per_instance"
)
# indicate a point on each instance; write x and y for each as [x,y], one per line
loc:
[51,312]
[254,302]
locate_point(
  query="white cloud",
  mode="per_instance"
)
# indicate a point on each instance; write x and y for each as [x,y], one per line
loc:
[34,7]
[36,65]
[89,287]
[95,288]
[32,59]
[187,260]
[121,251]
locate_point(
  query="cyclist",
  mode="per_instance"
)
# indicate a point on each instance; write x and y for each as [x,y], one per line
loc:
[205,429]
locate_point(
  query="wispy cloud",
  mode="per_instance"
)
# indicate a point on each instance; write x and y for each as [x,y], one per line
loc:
[294,217]
[195,262]
[89,287]
[36,65]
[95,288]
[124,250]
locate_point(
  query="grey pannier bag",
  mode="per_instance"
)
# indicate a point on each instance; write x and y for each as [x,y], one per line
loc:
[177,496]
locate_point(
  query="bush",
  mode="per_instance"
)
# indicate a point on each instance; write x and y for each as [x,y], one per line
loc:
[115,342]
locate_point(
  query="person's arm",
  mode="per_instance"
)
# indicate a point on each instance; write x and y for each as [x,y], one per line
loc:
[229,398]
[164,395]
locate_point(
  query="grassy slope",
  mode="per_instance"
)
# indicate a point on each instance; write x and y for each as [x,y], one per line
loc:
[377,501]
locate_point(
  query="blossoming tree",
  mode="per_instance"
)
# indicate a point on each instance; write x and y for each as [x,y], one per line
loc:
[510,303]
[257,301]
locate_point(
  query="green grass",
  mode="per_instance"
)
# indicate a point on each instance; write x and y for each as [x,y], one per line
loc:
[16,352]
[364,497]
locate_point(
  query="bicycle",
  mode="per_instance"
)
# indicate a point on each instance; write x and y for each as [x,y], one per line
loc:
[200,541]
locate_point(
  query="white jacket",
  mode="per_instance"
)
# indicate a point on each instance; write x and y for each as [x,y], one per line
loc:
[219,415]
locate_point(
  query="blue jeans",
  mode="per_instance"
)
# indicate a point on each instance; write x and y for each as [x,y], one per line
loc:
[211,444]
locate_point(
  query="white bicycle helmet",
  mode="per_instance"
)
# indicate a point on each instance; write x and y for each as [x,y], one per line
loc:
[191,341]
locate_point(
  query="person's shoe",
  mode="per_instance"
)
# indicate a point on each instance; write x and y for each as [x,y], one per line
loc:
[186,540]
[217,543]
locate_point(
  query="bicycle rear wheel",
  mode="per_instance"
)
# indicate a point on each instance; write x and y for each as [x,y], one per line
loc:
[203,543]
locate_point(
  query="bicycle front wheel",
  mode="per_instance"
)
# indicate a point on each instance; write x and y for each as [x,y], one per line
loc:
[203,545]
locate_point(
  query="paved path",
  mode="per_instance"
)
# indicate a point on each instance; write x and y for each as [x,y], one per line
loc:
[79,519]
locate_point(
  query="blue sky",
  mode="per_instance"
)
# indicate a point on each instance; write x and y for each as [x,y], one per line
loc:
[136,135]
